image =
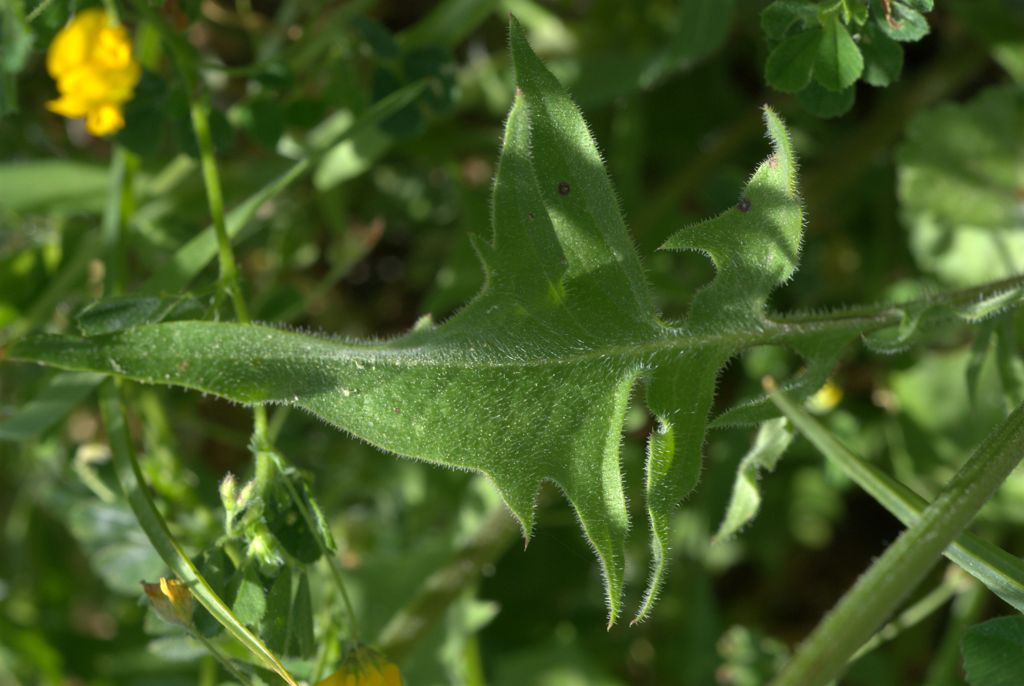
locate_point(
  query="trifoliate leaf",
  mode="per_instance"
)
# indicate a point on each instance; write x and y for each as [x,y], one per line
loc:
[883,57]
[791,63]
[778,18]
[905,23]
[839,63]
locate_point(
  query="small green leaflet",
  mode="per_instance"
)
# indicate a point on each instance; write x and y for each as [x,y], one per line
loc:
[771,441]
[530,381]
[994,652]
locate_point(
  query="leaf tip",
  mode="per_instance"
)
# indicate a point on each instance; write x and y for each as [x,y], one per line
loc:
[782,146]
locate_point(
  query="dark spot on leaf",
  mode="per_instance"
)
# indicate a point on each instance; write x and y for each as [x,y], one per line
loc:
[743,205]
[563,188]
[398,410]
[530,216]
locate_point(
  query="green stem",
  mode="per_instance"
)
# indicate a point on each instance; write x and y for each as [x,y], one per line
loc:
[912,616]
[129,473]
[945,665]
[825,654]
[111,7]
[1001,572]
[226,256]
[37,10]
[215,199]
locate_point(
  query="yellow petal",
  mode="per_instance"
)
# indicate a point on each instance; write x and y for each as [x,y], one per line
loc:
[72,44]
[102,121]
[120,84]
[113,48]
[68,106]
[84,82]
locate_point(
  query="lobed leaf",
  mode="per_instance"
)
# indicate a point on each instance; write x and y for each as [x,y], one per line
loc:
[530,382]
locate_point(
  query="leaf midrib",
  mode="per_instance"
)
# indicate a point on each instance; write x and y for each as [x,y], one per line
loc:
[677,340]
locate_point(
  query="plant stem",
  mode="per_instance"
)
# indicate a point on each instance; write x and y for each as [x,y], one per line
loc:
[910,617]
[111,8]
[266,458]
[967,609]
[37,10]
[226,256]
[825,654]
[215,199]
[1001,572]
[130,475]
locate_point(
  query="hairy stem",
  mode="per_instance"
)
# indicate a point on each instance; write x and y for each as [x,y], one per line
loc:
[1001,572]
[825,654]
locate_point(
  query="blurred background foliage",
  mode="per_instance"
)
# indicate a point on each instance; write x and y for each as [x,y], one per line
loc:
[917,186]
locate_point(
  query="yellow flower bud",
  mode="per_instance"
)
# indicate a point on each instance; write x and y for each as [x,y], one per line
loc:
[826,399]
[91,60]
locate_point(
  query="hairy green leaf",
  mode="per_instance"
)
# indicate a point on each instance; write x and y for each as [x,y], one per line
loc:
[530,382]
[251,600]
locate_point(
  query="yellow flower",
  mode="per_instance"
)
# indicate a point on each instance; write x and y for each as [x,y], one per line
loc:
[364,666]
[171,599]
[91,60]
